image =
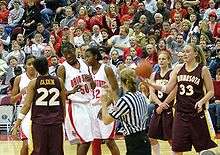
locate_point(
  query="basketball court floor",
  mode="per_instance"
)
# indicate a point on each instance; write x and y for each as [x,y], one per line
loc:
[13,147]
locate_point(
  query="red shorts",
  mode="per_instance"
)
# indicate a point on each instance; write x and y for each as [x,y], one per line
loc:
[191,130]
[22,135]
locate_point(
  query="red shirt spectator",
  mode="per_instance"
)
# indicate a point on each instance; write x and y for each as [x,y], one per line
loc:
[4,12]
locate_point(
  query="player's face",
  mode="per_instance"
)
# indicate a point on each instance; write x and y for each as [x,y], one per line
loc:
[29,66]
[70,57]
[188,54]
[163,60]
[90,59]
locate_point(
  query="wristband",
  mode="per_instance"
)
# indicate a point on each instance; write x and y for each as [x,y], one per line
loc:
[163,89]
[21,116]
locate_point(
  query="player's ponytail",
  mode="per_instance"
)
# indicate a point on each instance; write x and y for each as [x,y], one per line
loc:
[128,78]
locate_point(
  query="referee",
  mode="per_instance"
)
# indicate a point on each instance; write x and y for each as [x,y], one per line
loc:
[131,109]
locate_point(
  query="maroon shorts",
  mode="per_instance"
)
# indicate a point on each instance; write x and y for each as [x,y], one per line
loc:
[191,129]
[161,125]
[47,139]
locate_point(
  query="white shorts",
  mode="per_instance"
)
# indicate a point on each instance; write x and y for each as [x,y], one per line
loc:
[25,131]
[100,130]
[78,123]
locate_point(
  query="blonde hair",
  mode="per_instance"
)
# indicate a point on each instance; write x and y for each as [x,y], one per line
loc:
[128,78]
[169,56]
[200,58]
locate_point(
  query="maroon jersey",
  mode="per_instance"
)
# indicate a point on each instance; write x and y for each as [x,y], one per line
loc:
[190,89]
[161,81]
[47,107]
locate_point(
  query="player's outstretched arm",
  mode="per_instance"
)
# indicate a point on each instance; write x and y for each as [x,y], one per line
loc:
[63,96]
[27,105]
[112,81]
[209,89]
[170,85]
[16,94]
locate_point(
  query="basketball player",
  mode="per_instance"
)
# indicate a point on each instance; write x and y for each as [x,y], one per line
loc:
[190,126]
[103,76]
[161,122]
[46,98]
[79,84]
[18,94]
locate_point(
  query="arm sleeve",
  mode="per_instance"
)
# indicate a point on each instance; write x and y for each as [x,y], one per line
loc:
[119,109]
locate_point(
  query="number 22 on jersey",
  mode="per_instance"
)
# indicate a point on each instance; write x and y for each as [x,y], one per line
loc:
[41,101]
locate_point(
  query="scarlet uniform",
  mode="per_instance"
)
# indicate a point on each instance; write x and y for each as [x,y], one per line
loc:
[78,123]
[47,115]
[161,124]
[26,122]
[189,127]
[101,131]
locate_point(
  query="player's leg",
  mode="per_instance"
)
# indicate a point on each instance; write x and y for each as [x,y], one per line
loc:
[202,131]
[112,146]
[96,143]
[40,139]
[24,148]
[181,134]
[155,146]
[96,147]
[55,142]
[82,149]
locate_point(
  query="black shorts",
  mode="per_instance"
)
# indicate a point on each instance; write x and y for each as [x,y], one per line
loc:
[47,139]
[161,125]
[138,144]
[191,129]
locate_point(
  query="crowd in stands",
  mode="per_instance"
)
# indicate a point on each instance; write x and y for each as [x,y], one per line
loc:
[124,30]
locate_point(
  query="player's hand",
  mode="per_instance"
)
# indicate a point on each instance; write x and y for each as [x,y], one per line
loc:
[99,116]
[159,110]
[14,131]
[164,105]
[77,88]
[198,106]
[88,78]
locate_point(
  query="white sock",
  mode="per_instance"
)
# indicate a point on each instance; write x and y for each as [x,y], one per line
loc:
[155,149]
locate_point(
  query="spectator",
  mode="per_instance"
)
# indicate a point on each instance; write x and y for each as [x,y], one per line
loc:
[178,9]
[37,45]
[17,53]
[97,35]
[151,53]
[214,108]
[121,41]
[44,32]
[54,65]
[69,20]
[150,5]
[16,14]
[209,10]
[163,10]
[214,64]
[31,17]
[55,43]
[4,12]
[4,37]
[3,52]
[141,11]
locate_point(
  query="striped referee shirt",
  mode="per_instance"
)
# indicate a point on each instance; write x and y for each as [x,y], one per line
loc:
[131,109]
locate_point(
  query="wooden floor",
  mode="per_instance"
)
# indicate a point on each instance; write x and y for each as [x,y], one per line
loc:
[13,147]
